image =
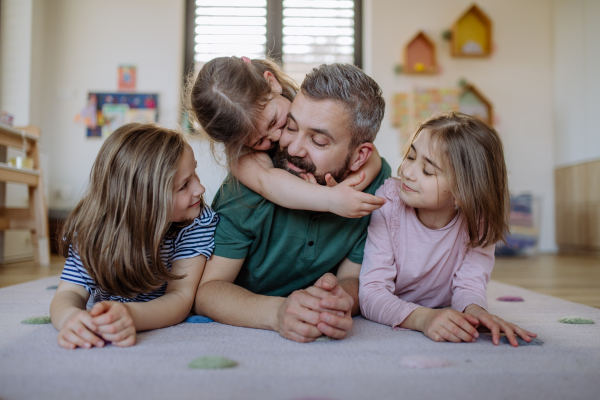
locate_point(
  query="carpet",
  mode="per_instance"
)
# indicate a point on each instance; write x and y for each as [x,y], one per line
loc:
[374,362]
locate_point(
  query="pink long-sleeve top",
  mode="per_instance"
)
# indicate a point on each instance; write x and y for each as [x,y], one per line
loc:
[407,265]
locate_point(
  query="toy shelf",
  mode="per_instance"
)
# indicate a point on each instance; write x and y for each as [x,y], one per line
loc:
[35,217]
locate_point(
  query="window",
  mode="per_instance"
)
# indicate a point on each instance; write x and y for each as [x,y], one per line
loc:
[300,34]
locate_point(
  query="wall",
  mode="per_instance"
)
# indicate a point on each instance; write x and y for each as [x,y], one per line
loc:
[518,79]
[577,81]
[84,42]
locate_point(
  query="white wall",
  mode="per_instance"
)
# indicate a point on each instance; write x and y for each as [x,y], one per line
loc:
[517,78]
[83,44]
[577,81]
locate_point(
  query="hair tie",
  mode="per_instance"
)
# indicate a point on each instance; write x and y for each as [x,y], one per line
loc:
[246,60]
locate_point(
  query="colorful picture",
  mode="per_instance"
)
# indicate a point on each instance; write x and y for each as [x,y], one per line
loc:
[127,78]
[412,108]
[106,112]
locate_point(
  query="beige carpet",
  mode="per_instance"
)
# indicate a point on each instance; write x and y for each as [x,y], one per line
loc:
[367,365]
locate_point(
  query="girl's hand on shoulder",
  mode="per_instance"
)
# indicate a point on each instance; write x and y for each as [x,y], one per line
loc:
[114,322]
[79,331]
[496,325]
[449,326]
[346,201]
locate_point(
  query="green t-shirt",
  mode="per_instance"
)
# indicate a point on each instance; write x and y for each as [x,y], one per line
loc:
[285,249]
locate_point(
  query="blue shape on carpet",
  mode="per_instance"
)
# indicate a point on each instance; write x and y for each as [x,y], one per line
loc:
[487,337]
[198,319]
[53,287]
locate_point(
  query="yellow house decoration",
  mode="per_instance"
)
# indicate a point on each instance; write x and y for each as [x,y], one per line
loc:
[472,34]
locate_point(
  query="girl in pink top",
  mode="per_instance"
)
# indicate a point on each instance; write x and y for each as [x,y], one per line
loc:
[432,243]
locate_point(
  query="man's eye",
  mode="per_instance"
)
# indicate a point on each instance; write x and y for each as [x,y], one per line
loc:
[318,144]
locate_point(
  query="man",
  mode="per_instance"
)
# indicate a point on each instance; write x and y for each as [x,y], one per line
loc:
[264,251]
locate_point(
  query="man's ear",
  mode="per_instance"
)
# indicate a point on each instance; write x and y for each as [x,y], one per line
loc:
[360,156]
[273,82]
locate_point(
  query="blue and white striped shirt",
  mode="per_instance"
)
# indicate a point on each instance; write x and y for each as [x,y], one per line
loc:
[193,240]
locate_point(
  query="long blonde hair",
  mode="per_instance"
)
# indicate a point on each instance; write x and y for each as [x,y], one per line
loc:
[472,152]
[118,226]
[228,96]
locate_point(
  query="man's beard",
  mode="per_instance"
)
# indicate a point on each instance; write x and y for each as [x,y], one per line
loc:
[282,157]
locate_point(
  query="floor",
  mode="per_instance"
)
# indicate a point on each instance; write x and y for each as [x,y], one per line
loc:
[573,278]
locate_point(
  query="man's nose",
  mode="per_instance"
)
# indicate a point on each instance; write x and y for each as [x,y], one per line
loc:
[297,148]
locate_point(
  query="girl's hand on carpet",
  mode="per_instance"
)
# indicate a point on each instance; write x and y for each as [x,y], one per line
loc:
[114,322]
[78,331]
[496,325]
[447,325]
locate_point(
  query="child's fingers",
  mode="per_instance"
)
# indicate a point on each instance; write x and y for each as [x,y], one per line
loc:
[311,178]
[115,313]
[356,180]
[510,335]
[130,341]
[465,326]
[449,336]
[116,326]
[370,200]
[495,328]
[66,344]
[472,320]
[119,336]
[99,308]
[330,181]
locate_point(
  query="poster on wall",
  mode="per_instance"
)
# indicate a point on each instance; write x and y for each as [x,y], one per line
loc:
[127,78]
[106,112]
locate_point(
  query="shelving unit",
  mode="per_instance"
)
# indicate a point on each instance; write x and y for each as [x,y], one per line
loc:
[419,56]
[35,217]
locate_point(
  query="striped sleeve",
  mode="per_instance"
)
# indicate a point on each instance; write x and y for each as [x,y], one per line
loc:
[75,272]
[197,238]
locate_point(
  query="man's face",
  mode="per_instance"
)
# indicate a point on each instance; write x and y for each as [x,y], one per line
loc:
[316,139]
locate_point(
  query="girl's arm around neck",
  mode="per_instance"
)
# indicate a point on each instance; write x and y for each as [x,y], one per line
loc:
[175,305]
[257,172]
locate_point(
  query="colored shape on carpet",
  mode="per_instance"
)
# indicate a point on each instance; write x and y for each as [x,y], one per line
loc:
[53,287]
[424,362]
[521,342]
[487,337]
[510,298]
[323,339]
[37,320]
[575,320]
[198,319]
[212,362]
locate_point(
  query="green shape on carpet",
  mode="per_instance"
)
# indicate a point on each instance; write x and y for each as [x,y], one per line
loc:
[323,339]
[575,320]
[212,362]
[37,320]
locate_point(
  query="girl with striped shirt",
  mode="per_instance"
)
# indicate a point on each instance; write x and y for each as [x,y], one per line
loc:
[136,243]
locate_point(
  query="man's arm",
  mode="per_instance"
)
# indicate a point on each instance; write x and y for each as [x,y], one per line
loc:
[219,298]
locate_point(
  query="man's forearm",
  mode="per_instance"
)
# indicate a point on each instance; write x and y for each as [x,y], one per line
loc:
[350,286]
[230,304]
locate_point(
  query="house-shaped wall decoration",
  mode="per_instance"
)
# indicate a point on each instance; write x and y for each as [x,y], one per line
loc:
[472,34]
[472,102]
[419,56]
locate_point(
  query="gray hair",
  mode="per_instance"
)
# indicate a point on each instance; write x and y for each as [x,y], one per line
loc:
[359,94]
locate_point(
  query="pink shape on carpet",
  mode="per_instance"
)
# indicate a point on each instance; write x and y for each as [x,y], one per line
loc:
[424,362]
[510,298]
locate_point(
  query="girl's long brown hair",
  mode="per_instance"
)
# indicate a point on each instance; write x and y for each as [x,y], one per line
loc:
[227,98]
[118,226]
[473,156]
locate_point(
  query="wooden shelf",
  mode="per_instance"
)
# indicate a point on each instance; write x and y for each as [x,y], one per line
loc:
[35,217]
[472,34]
